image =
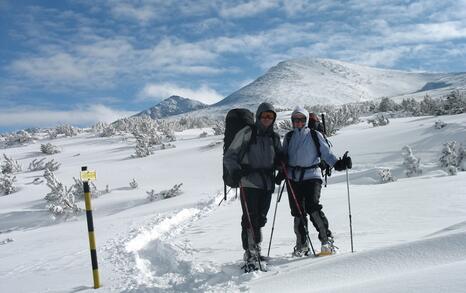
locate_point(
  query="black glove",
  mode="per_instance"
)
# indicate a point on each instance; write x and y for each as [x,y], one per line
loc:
[343,163]
[279,177]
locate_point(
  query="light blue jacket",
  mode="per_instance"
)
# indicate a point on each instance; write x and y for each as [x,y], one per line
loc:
[301,151]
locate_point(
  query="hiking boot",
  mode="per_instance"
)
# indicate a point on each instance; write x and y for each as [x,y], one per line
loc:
[327,247]
[301,249]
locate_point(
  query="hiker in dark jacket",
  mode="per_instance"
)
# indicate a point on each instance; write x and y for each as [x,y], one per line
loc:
[252,158]
[306,180]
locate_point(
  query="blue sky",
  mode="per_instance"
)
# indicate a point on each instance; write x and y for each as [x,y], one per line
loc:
[83,61]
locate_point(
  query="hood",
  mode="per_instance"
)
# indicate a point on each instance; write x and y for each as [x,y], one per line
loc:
[264,107]
[301,110]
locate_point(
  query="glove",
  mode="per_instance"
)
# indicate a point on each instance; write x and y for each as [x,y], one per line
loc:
[347,160]
[343,163]
[279,177]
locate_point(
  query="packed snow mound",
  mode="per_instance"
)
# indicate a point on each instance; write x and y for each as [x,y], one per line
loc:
[309,81]
[173,105]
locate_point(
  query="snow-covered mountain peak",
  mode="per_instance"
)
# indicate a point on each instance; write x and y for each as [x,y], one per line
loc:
[172,106]
[326,81]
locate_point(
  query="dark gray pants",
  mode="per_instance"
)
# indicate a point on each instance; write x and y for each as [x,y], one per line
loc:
[308,196]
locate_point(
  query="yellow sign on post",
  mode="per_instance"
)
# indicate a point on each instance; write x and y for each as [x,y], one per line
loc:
[88,175]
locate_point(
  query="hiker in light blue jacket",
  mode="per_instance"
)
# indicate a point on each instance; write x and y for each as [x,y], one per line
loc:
[303,158]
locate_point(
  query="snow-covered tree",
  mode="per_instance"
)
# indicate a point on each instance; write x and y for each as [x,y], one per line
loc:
[7,183]
[10,166]
[388,105]
[67,130]
[172,192]
[454,103]
[133,184]
[410,162]
[60,199]
[411,106]
[449,158]
[49,149]
[386,176]
[219,128]
[143,148]
[77,189]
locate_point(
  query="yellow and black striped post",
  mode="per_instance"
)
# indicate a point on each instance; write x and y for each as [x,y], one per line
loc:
[90,229]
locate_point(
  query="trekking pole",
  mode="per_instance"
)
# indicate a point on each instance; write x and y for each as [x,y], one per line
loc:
[279,197]
[298,206]
[349,209]
[243,194]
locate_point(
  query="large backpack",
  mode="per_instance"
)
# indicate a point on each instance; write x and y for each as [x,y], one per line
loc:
[235,120]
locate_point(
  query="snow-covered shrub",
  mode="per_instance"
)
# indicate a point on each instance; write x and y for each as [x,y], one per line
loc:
[67,130]
[133,184]
[379,120]
[410,105]
[386,176]
[285,125]
[143,148]
[52,133]
[203,134]
[219,128]
[462,158]
[7,183]
[49,149]
[108,132]
[77,189]
[52,165]
[60,199]
[172,192]
[388,105]
[10,166]
[165,146]
[449,158]
[439,124]
[410,162]
[337,117]
[37,165]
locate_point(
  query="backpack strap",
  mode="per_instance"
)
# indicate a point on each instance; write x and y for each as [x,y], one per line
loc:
[315,138]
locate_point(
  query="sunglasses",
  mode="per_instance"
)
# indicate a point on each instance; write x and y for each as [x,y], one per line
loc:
[269,116]
[296,120]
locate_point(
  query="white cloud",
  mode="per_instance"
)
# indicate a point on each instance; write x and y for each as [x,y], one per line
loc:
[159,91]
[247,9]
[21,117]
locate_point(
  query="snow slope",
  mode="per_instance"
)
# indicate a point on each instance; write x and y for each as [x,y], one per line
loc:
[409,235]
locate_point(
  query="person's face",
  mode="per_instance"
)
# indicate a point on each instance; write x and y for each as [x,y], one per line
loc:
[299,120]
[267,118]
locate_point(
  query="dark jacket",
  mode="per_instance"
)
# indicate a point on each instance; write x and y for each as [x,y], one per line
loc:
[257,164]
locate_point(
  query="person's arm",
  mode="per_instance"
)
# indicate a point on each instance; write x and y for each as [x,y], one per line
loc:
[325,150]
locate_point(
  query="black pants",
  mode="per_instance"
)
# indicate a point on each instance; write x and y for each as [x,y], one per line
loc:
[258,204]
[308,195]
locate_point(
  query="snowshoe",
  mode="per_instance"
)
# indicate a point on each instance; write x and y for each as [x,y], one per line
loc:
[327,248]
[301,250]
[253,261]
